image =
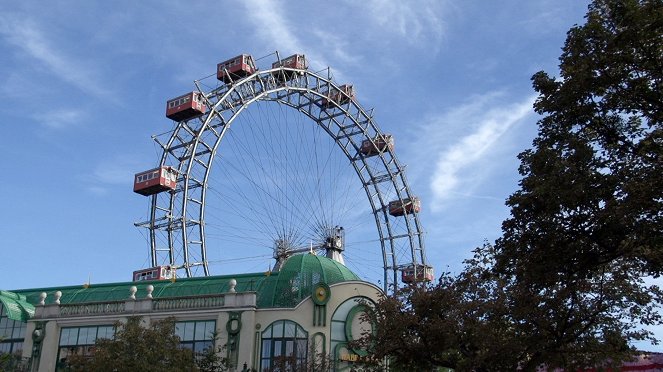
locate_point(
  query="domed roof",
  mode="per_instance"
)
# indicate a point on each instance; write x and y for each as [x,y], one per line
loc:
[330,271]
[297,277]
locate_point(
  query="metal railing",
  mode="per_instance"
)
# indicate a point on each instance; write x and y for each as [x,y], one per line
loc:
[93,308]
[190,302]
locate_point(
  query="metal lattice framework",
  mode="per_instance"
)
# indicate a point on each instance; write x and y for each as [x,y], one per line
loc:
[177,220]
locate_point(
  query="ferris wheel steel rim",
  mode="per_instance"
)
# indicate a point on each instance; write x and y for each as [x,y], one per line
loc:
[180,216]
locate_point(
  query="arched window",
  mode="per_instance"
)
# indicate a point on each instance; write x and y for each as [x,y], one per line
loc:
[284,346]
[347,325]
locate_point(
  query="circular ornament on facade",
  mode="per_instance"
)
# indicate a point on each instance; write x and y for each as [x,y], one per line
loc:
[321,294]
[233,326]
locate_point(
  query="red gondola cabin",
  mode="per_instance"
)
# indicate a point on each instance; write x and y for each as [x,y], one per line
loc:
[297,61]
[344,94]
[154,273]
[155,181]
[417,273]
[377,145]
[235,68]
[407,206]
[185,107]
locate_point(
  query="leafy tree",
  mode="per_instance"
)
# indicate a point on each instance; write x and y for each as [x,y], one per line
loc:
[460,323]
[564,286]
[587,223]
[12,361]
[136,348]
[4,357]
[211,360]
[593,180]
[315,361]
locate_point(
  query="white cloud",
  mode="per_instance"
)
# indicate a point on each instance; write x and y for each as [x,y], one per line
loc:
[60,119]
[274,27]
[272,24]
[460,165]
[115,172]
[348,36]
[28,37]
[337,46]
[412,20]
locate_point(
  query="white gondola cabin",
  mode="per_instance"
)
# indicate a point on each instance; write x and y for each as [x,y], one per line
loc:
[235,68]
[154,273]
[406,206]
[343,94]
[417,273]
[296,61]
[185,107]
[377,145]
[155,181]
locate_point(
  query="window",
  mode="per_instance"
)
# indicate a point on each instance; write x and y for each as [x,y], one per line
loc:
[290,61]
[347,325]
[12,333]
[80,340]
[196,335]
[284,346]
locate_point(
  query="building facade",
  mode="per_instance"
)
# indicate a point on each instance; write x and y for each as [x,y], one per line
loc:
[310,308]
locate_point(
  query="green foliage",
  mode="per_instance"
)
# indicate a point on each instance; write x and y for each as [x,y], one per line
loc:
[12,362]
[211,360]
[137,348]
[315,361]
[564,286]
[483,320]
[593,178]
[587,223]
[462,322]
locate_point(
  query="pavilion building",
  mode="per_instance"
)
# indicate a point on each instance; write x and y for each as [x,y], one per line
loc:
[311,307]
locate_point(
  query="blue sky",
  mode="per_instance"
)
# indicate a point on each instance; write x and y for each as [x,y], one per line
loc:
[84,84]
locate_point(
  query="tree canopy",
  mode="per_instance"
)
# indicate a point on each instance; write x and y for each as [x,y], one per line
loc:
[565,286]
[138,348]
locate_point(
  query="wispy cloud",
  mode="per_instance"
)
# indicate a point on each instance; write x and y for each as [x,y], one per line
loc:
[369,29]
[460,165]
[111,173]
[60,119]
[338,46]
[28,37]
[274,27]
[413,21]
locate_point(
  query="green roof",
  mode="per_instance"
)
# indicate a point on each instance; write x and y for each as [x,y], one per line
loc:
[285,288]
[297,277]
[162,288]
[16,306]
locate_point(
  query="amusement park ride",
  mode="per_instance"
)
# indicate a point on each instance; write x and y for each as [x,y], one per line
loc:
[177,187]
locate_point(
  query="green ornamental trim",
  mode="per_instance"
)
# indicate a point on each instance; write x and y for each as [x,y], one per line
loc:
[348,327]
[234,324]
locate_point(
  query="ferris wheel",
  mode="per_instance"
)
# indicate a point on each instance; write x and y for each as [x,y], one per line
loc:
[281,159]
